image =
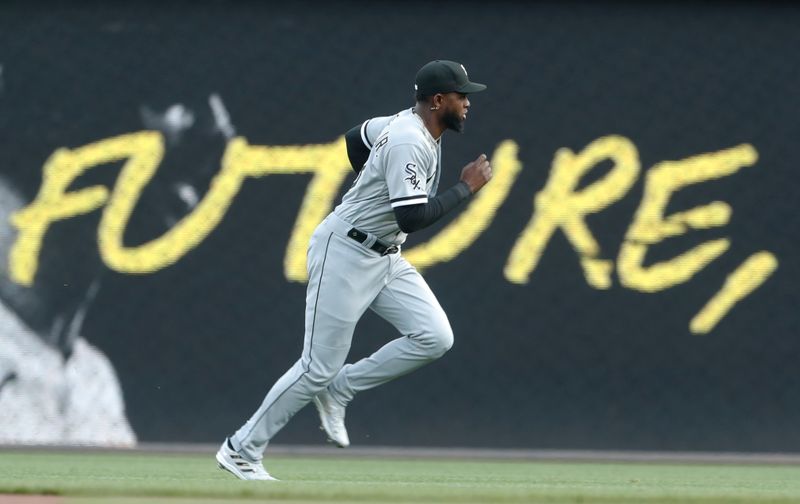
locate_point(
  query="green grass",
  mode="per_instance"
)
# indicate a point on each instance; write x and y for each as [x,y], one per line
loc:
[139,478]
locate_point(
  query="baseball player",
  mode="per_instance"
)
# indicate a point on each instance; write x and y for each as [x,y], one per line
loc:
[354,263]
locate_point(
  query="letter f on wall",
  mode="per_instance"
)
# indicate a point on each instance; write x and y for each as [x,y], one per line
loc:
[143,151]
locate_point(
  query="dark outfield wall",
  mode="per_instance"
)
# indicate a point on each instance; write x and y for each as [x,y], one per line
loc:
[621,357]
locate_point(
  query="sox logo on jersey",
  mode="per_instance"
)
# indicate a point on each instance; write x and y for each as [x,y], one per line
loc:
[412,175]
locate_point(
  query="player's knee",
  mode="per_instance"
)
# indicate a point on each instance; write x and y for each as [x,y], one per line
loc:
[442,340]
[321,372]
[318,380]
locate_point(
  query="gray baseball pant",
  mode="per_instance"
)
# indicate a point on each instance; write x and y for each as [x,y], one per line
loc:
[344,279]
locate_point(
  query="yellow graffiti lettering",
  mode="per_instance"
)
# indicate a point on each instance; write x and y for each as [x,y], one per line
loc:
[465,229]
[739,284]
[179,239]
[53,203]
[239,161]
[560,205]
[144,152]
[650,226]
[328,163]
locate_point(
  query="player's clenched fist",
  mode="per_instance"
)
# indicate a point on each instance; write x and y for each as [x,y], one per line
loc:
[477,173]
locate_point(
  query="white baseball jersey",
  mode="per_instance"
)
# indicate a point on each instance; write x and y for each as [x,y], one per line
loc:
[402,169]
[346,278]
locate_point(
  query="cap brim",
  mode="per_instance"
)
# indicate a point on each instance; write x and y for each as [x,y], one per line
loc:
[471,87]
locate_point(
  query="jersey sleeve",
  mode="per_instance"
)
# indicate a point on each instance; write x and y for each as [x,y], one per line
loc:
[357,151]
[360,139]
[406,175]
[371,129]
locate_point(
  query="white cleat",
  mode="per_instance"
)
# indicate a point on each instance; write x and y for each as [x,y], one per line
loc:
[331,414]
[230,460]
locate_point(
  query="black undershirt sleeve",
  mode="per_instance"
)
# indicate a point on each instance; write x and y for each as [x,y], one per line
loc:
[412,218]
[357,151]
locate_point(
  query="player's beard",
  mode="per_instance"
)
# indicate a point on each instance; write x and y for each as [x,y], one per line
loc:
[452,120]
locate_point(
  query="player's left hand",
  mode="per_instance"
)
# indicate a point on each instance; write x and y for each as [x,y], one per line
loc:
[477,173]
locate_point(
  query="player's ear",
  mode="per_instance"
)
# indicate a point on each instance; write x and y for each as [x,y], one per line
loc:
[436,101]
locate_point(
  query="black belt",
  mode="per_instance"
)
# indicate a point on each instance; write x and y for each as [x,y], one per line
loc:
[379,247]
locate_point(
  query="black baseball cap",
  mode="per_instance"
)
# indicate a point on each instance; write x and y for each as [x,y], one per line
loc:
[443,76]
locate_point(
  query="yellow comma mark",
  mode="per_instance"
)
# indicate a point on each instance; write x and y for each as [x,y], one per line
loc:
[750,275]
[143,150]
[558,204]
[650,226]
[468,226]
